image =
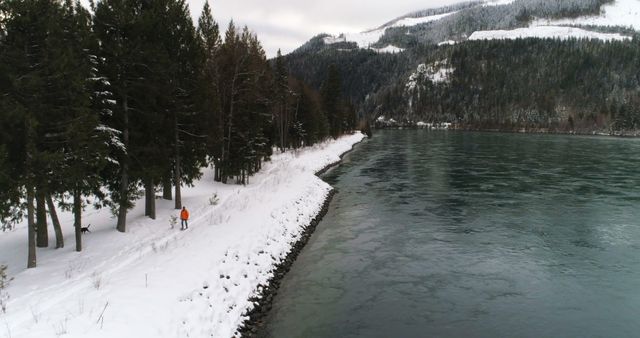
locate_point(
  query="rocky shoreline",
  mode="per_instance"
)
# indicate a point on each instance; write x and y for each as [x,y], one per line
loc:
[263,302]
[535,131]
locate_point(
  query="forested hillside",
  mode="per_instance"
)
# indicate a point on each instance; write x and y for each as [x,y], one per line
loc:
[557,83]
[464,21]
[536,84]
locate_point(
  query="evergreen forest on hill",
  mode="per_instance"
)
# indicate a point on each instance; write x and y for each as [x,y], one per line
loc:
[538,84]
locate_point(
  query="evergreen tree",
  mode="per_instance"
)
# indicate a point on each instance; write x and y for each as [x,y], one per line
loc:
[281,104]
[83,137]
[331,99]
[27,55]
[48,101]
[183,66]
[120,54]
[233,60]
[210,93]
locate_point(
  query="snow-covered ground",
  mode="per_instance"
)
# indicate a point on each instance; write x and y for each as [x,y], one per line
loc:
[330,40]
[436,72]
[155,281]
[367,38]
[497,2]
[390,49]
[410,22]
[555,32]
[447,43]
[624,13]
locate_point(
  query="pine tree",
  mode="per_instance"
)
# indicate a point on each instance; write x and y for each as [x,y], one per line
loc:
[210,90]
[281,104]
[113,25]
[232,62]
[313,125]
[26,58]
[85,139]
[189,134]
[123,29]
[331,99]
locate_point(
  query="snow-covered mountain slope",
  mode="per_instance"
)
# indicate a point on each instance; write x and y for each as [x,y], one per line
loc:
[391,49]
[544,32]
[368,38]
[498,2]
[409,22]
[624,13]
[158,281]
[500,19]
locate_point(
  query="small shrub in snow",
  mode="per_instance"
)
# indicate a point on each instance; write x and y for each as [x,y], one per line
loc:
[4,283]
[213,200]
[96,280]
[61,328]
[81,306]
[35,314]
[72,268]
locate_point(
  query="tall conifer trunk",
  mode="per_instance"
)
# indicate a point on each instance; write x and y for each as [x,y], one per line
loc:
[176,171]
[77,217]
[166,187]
[41,219]
[124,178]
[31,223]
[149,198]
[31,260]
[56,222]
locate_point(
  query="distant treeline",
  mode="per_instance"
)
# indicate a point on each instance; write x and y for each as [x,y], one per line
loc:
[573,85]
[109,106]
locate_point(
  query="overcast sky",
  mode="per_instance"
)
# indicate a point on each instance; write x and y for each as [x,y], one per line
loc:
[287,24]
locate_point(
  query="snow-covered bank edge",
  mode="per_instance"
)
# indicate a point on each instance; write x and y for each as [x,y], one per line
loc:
[262,302]
[158,281]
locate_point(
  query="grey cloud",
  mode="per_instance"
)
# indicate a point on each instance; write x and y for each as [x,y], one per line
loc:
[287,24]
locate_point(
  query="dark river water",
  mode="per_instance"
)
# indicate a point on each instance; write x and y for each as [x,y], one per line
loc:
[449,234]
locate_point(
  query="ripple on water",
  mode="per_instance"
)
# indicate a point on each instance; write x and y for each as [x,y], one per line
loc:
[448,234]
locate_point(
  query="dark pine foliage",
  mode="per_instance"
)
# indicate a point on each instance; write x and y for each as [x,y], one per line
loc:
[111,106]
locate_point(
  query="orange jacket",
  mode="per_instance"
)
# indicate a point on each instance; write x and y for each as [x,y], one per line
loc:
[184,214]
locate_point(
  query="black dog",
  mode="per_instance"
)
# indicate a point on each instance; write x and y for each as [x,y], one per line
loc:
[85,229]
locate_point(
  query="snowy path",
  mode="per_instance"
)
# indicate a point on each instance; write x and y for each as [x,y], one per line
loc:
[156,281]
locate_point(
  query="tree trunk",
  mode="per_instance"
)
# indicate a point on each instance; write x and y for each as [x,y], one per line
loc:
[178,176]
[31,224]
[124,179]
[77,218]
[150,198]
[124,200]
[41,219]
[56,222]
[166,188]
[216,171]
[31,261]
[226,150]
[220,133]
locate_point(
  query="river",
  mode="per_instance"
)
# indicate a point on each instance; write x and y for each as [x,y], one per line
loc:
[452,234]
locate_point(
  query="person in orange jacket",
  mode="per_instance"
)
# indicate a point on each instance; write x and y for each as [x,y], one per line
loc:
[184,217]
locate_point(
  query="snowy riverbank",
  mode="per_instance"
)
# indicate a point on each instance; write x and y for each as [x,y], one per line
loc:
[156,281]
